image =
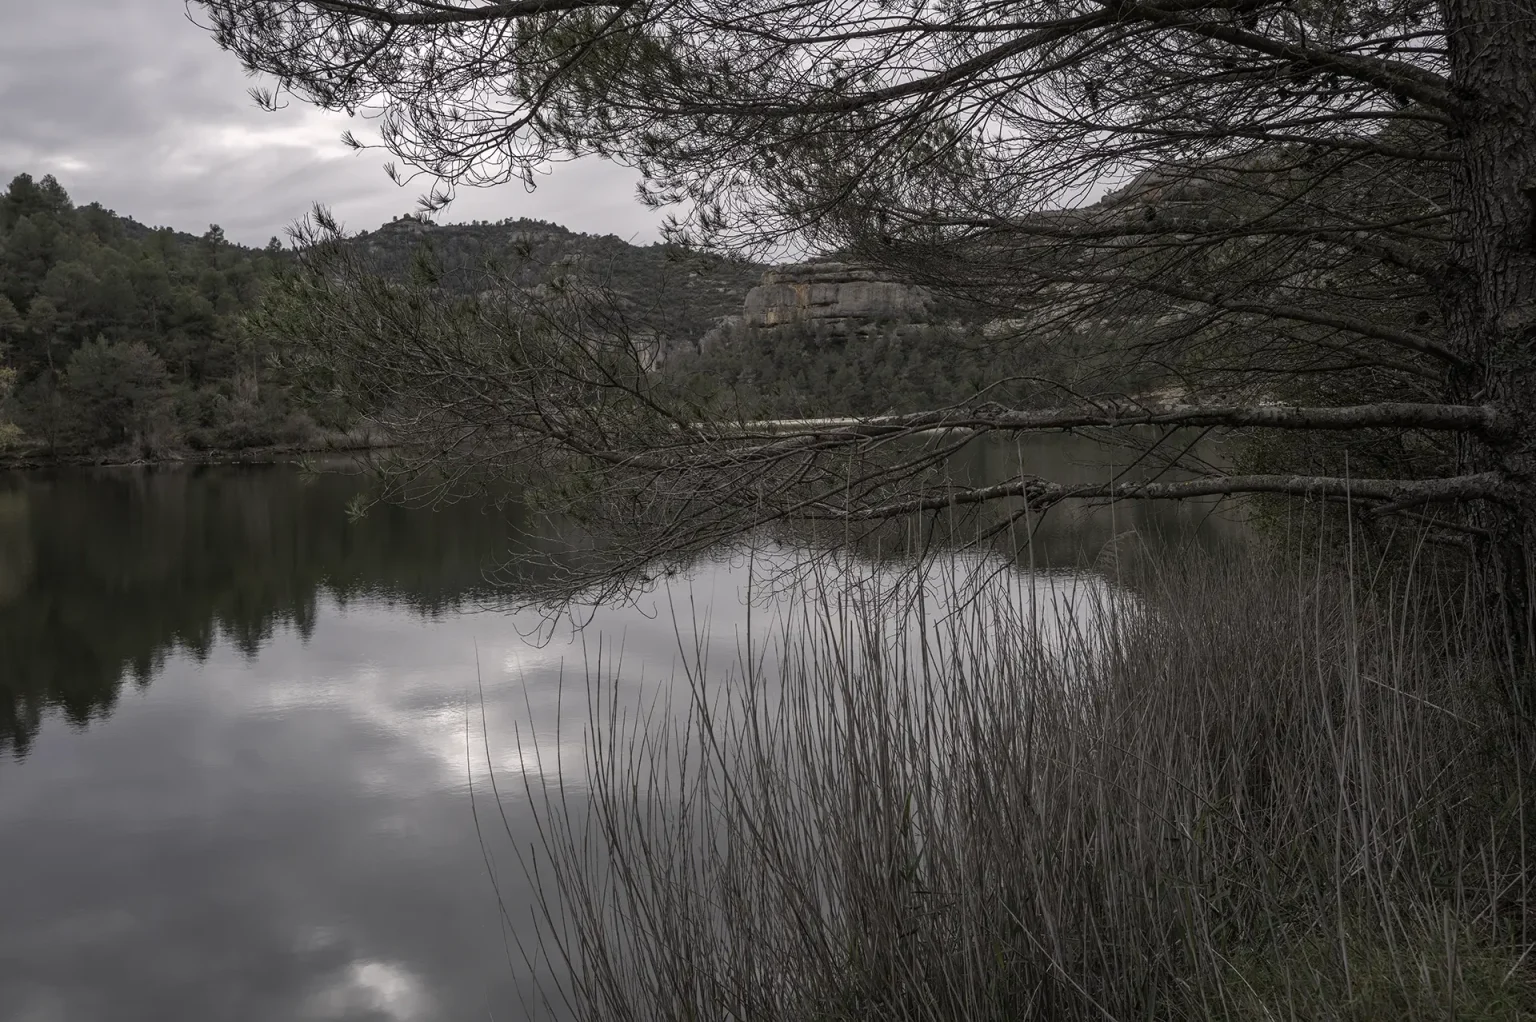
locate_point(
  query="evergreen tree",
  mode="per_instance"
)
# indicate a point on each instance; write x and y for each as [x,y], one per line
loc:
[118,336]
[119,393]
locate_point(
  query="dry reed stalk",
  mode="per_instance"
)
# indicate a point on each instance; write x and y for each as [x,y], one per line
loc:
[1219,791]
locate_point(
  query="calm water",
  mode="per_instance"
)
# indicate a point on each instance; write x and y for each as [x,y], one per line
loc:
[233,772]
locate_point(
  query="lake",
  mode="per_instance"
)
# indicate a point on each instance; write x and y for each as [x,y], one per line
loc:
[240,733]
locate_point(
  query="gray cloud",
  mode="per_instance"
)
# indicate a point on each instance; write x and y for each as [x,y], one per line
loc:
[130,104]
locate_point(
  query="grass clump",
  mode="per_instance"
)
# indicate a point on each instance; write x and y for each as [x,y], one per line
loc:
[1435,968]
[1225,791]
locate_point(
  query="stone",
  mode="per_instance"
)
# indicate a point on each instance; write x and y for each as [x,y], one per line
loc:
[839,296]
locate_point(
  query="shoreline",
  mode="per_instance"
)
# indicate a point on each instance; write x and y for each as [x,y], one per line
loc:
[271,454]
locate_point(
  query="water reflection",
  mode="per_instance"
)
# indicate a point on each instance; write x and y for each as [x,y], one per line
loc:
[102,574]
[284,837]
[269,815]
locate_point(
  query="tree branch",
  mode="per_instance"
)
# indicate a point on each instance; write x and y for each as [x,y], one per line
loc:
[1394,76]
[1330,319]
[1480,419]
[1041,494]
[440,15]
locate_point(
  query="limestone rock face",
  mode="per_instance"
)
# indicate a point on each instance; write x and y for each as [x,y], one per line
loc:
[837,295]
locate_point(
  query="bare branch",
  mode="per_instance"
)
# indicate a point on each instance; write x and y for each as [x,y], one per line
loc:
[1041,494]
[1482,419]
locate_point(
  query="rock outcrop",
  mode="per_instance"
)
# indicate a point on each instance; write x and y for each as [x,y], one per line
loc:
[837,296]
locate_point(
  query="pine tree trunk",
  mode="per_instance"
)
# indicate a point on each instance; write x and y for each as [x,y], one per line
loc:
[1491,283]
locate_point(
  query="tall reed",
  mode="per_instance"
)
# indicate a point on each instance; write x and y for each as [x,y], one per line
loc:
[1226,791]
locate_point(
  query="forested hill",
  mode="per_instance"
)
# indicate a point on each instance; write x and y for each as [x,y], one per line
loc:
[124,341]
[674,295]
[120,341]
[119,337]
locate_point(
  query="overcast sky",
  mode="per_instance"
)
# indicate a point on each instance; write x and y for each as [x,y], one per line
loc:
[129,104]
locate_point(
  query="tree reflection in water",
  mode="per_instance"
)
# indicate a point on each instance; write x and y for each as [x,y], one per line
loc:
[105,572]
[102,573]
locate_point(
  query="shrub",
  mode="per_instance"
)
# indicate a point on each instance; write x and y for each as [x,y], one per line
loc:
[1231,791]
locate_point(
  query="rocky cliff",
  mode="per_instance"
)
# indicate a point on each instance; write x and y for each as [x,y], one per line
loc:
[838,296]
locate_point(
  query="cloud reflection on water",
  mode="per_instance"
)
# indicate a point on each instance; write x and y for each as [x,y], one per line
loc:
[277,823]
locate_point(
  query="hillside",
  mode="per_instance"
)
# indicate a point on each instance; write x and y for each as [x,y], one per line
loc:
[672,294]
[119,337]
[120,341]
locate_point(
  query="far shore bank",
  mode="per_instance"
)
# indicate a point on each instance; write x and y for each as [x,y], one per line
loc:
[352,442]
